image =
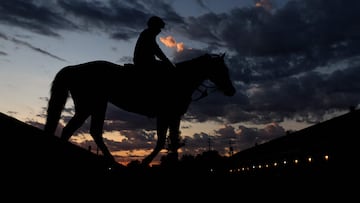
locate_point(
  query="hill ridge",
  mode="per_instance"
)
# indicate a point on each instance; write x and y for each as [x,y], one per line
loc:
[29,150]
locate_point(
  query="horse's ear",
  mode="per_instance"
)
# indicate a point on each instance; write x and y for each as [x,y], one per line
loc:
[223,55]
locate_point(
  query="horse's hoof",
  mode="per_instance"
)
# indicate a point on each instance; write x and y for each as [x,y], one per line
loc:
[145,165]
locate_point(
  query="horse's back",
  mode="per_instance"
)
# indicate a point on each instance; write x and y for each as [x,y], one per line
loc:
[87,81]
[96,68]
[96,72]
[126,86]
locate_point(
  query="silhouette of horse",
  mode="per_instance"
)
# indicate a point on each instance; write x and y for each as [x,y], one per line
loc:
[164,96]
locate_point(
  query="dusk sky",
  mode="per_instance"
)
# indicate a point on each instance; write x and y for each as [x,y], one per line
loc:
[294,63]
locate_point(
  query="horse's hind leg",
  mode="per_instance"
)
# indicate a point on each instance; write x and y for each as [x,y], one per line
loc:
[174,140]
[96,131]
[162,127]
[174,135]
[75,123]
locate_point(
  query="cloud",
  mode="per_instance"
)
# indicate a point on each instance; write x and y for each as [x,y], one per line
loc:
[170,41]
[28,45]
[274,57]
[298,62]
[122,20]
[40,17]
[3,53]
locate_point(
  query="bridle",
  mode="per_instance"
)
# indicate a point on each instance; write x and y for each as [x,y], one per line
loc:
[204,88]
[204,91]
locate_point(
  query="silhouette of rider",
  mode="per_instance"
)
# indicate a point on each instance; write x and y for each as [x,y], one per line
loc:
[147,54]
[152,66]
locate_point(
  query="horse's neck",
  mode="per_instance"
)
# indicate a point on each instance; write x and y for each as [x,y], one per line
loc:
[194,69]
[190,75]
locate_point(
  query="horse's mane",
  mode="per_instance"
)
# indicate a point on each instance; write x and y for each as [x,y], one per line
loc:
[182,64]
[193,60]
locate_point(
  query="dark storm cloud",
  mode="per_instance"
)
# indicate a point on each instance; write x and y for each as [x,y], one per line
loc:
[229,137]
[119,19]
[39,17]
[297,27]
[274,57]
[122,19]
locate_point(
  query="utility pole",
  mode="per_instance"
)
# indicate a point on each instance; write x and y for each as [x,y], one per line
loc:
[231,149]
[209,144]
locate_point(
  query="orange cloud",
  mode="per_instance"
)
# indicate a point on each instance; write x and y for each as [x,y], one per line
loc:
[180,47]
[169,41]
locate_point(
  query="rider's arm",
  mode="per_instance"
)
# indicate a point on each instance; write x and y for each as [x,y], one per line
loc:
[160,54]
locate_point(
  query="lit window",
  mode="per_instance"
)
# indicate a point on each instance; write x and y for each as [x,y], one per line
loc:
[309,159]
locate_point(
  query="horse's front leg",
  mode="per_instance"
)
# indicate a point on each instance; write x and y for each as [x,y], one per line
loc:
[161,129]
[174,135]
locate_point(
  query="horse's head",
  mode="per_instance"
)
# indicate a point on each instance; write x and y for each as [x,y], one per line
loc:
[218,73]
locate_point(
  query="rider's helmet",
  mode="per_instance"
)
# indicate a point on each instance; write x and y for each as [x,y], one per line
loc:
[156,22]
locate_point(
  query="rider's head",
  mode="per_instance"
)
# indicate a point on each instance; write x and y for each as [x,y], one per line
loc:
[155,22]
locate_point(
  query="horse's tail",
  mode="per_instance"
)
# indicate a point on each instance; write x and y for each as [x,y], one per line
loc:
[59,93]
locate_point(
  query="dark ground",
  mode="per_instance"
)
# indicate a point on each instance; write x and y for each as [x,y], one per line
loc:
[41,167]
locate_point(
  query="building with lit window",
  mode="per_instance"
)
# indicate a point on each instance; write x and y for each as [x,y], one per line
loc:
[327,149]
